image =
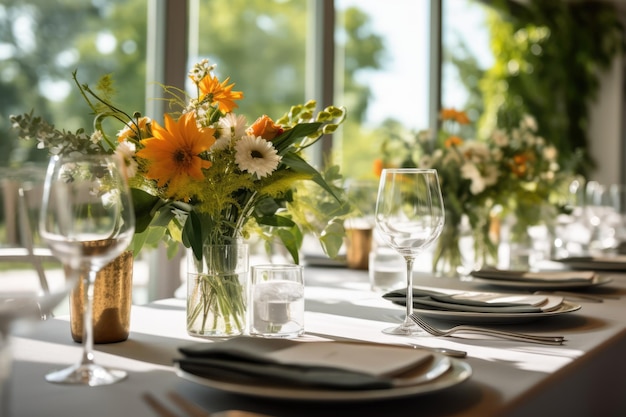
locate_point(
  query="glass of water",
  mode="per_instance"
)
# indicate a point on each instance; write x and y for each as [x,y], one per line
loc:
[277,302]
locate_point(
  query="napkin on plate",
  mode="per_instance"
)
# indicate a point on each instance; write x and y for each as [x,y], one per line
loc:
[434,300]
[335,365]
[543,276]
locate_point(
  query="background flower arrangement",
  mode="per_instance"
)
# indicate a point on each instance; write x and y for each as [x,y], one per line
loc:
[206,176]
[513,170]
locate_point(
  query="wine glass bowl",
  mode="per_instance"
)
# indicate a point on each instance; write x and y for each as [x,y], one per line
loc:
[87,220]
[410,217]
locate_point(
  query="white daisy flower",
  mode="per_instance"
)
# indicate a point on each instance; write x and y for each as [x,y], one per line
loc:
[256,155]
[229,127]
[471,172]
[500,138]
[125,151]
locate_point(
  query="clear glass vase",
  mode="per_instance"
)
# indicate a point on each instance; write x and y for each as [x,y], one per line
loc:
[217,291]
[463,247]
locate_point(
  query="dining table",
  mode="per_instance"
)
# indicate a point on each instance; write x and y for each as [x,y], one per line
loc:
[585,376]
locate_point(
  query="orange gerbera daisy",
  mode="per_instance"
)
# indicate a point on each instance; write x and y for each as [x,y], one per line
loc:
[219,93]
[452,114]
[173,153]
[453,141]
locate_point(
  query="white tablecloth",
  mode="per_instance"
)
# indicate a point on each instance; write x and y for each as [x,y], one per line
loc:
[584,377]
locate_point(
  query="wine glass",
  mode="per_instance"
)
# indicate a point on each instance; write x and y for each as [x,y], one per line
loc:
[410,217]
[87,220]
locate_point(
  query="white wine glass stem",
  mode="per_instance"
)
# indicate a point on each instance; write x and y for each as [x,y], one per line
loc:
[87,339]
[408,323]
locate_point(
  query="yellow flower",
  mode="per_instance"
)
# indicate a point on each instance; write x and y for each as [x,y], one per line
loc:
[220,93]
[173,154]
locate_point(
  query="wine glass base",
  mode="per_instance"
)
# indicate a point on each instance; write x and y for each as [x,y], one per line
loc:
[405,329]
[86,374]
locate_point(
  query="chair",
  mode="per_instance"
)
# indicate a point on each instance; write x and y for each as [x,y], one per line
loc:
[21,196]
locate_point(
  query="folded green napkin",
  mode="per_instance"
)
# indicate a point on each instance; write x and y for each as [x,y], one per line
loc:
[282,361]
[432,300]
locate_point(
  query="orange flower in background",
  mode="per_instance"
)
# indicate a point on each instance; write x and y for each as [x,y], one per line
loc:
[452,114]
[221,93]
[519,167]
[453,141]
[265,127]
[173,153]
[378,167]
[130,130]
[461,118]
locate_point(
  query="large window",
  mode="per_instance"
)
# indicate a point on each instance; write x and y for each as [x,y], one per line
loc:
[466,53]
[260,45]
[42,42]
[381,55]
[382,75]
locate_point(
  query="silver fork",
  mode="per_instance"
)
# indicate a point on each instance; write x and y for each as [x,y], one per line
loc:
[532,338]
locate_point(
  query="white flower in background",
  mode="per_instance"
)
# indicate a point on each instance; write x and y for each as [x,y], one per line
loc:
[529,122]
[554,167]
[425,161]
[229,127]
[200,70]
[125,151]
[475,151]
[550,153]
[471,172]
[490,175]
[96,137]
[500,138]
[256,155]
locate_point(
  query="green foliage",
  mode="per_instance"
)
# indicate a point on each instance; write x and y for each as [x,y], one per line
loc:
[549,55]
[37,130]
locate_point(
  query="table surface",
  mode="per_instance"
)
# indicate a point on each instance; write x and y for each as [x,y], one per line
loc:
[585,376]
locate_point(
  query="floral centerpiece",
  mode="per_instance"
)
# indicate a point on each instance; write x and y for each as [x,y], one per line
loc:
[514,170]
[206,177]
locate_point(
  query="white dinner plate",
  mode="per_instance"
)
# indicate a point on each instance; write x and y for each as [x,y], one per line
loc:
[458,372]
[502,318]
[548,285]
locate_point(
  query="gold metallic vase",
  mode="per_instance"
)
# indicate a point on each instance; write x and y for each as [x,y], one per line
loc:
[112,302]
[358,246]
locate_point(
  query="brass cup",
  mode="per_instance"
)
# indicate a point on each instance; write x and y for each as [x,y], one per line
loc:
[112,302]
[358,247]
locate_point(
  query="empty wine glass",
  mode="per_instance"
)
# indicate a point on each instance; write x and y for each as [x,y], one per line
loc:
[410,217]
[87,220]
